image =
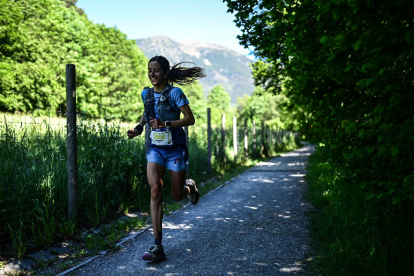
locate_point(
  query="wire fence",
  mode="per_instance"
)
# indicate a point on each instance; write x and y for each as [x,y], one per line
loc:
[110,170]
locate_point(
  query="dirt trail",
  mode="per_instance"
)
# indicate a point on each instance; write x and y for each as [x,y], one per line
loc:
[254,225]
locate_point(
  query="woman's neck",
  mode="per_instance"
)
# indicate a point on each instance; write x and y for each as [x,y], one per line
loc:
[160,88]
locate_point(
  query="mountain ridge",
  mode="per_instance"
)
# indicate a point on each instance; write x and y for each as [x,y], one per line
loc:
[222,65]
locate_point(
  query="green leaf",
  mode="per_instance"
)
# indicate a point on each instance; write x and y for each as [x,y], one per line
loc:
[337,12]
[352,3]
[318,3]
[365,82]
[409,182]
[340,39]
[324,39]
[409,36]
[357,45]
[361,82]
[389,87]
[325,7]
[349,67]
[395,150]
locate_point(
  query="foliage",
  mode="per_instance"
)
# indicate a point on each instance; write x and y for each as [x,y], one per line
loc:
[275,109]
[268,75]
[70,3]
[111,175]
[353,236]
[38,38]
[348,65]
[198,103]
[33,174]
[219,98]
[18,237]
[219,102]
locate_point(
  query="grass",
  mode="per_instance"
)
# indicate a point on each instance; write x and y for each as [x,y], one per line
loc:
[33,189]
[88,244]
[111,179]
[99,209]
[351,235]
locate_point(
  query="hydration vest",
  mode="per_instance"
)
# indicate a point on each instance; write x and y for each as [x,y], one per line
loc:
[164,108]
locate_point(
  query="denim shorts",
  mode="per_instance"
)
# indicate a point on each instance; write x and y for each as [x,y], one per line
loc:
[174,159]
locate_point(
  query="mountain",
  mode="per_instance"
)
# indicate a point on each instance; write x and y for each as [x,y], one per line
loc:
[222,65]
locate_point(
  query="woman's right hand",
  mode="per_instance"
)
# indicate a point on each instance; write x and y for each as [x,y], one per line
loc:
[132,133]
[135,132]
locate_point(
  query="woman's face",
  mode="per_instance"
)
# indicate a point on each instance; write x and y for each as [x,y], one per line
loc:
[156,74]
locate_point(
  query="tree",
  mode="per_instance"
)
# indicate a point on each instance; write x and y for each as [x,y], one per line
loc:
[348,65]
[72,3]
[268,75]
[219,98]
[110,70]
[274,110]
[198,103]
[219,101]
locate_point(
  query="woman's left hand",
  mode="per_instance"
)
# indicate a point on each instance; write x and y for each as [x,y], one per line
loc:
[156,123]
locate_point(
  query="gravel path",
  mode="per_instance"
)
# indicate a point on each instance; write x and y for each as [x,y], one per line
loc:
[254,225]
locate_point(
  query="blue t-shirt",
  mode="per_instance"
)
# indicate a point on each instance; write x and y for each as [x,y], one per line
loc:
[177,99]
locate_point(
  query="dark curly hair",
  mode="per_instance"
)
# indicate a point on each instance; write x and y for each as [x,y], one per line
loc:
[178,73]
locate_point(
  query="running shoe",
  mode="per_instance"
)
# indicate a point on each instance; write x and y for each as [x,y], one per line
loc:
[194,194]
[156,253]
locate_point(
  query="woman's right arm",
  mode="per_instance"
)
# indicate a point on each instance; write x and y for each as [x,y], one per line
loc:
[138,129]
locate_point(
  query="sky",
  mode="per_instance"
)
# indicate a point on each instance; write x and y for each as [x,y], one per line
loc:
[181,20]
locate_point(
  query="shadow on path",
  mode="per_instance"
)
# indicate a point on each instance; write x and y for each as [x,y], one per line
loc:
[255,225]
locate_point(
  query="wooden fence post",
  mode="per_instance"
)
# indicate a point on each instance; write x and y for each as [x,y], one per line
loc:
[271,136]
[235,139]
[254,139]
[72,165]
[267,140]
[208,140]
[277,136]
[263,143]
[223,137]
[245,139]
[187,169]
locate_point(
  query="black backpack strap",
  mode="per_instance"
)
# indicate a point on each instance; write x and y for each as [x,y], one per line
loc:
[148,110]
[146,94]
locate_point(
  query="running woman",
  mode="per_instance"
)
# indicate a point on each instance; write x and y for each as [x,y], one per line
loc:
[163,104]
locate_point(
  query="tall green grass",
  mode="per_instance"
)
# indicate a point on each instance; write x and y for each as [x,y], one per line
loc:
[33,179]
[111,175]
[352,233]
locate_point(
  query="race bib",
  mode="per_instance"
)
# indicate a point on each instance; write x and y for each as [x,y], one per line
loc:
[161,138]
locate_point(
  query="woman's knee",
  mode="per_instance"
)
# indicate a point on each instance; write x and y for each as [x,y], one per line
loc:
[178,195]
[156,192]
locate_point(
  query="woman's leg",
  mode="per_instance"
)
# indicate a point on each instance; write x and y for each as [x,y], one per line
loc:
[177,185]
[155,174]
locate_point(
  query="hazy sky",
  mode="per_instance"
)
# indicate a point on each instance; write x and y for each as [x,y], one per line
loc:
[181,20]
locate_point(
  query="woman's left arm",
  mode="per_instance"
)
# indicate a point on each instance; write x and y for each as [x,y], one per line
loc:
[188,119]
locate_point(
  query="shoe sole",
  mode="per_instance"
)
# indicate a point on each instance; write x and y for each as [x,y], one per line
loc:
[194,198]
[151,257]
